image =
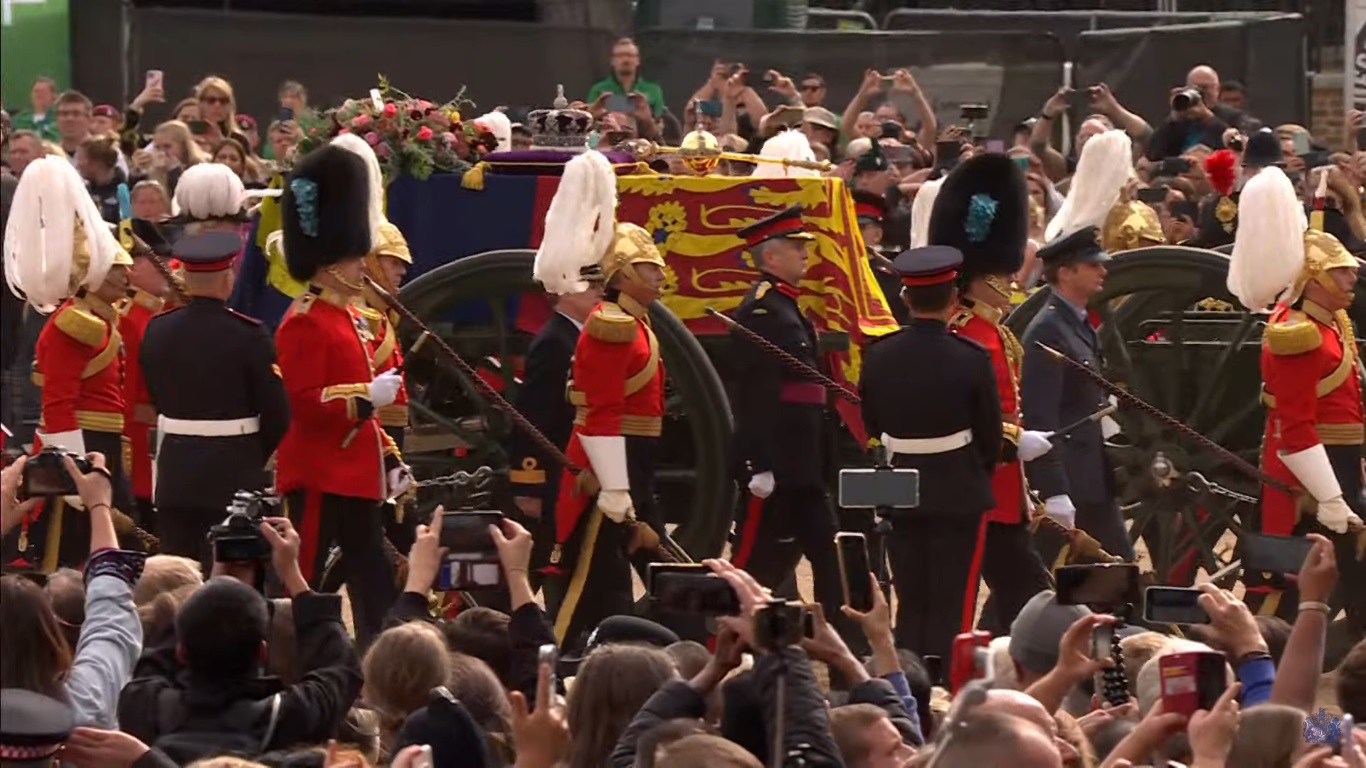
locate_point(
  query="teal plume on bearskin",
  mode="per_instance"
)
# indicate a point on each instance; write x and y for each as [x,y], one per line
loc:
[325,211]
[982,210]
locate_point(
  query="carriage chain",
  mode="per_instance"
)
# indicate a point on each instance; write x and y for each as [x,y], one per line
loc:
[1220,490]
[476,480]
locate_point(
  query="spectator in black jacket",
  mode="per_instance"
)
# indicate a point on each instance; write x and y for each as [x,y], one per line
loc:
[211,663]
[97,160]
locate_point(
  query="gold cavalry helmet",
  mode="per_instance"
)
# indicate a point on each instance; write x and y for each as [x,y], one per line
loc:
[631,245]
[389,241]
[1322,253]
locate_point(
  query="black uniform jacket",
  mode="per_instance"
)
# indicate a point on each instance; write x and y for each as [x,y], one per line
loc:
[779,413]
[1053,396]
[924,382]
[541,399]
[204,361]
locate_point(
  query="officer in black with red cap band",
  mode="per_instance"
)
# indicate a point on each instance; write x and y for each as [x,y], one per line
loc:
[779,421]
[930,399]
[871,210]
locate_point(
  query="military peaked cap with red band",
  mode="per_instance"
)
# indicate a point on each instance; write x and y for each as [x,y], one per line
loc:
[33,727]
[869,207]
[208,252]
[785,224]
[930,265]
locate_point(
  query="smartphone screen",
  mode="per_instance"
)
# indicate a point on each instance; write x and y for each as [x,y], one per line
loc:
[1102,641]
[1152,195]
[1173,605]
[1272,554]
[1100,586]
[550,654]
[852,550]
[284,115]
[998,147]
[1174,166]
[1301,143]
[468,532]
[618,103]
[710,108]
[198,127]
[704,594]
[155,78]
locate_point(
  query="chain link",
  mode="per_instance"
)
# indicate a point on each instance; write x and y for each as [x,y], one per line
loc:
[1220,490]
[476,480]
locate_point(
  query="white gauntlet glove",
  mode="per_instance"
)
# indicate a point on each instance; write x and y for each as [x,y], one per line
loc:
[1336,516]
[761,485]
[1033,444]
[617,505]
[384,389]
[400,479]
[1061,511]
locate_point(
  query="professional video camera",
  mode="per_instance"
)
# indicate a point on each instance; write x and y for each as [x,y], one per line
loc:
[238,538]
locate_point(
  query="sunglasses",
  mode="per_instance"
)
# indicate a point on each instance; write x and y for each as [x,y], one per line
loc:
[812,86]
[214,99]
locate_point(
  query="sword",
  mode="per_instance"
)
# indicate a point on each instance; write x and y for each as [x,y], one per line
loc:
[666,547]
[791,362]
[1079,423]
[1233,459]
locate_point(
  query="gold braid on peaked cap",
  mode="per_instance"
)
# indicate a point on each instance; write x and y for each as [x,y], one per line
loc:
[389,242]
[631,245]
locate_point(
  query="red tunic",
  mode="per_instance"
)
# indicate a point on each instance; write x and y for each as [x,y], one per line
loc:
[78,364]
[325,362]
[1007,482]
[1312,393]
[386,356]
[139,416]
[617,389]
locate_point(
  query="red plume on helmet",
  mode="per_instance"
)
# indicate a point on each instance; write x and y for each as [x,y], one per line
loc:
[1221,170]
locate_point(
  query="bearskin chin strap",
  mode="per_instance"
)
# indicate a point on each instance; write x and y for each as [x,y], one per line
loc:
[354,287]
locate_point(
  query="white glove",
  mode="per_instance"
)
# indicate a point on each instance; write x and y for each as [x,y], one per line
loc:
[400,479]
[1061,510]
[1033,444]
[384,389]
[617,505]
[1336,516]
[73,441]
[761,485]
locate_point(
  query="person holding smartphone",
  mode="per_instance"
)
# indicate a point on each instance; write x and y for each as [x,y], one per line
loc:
[1315,425]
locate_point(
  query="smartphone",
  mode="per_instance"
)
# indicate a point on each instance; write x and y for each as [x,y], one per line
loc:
[1079,98]
[155,78]
[1315,159]
[690,588]
[284,115]
[1272,554]
[618,103]
[934,668]
[1184,209]
[974,111]
[198,127]
[1346,728]
[1174,166]
[971,659]
[998,147]
[423,758]
[947,154]
[900,154]
[1022,161]
[1300,142]
[879,487]
[1100,586]
[471,557]
[1152,195]
[550,654]
[1102,641]
[891,129]
[1173,605]
[710,108]
[1192,680]
[852,551]
[468,532]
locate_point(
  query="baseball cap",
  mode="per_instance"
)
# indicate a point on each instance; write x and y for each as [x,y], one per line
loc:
[1036,631]
[822,117]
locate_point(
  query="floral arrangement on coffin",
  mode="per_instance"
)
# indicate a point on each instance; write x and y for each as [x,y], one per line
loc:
[410,136]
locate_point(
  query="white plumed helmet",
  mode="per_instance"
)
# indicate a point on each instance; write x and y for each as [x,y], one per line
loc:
[579,225]
[1105,166]
[1268,248]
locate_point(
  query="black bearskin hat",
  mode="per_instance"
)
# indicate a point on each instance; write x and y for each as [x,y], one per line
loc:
[325,211]
[983,210]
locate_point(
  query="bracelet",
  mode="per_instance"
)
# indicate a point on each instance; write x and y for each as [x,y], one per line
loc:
[107,508]
[1045,116]
[1315,605]
[523,571]
[1251,656]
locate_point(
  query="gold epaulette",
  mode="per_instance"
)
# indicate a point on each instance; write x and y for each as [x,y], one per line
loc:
[390,447]
[762,289]
[612,324]
[304,302]
[1294,334]
[1010,432]
[961,318]
[80,325]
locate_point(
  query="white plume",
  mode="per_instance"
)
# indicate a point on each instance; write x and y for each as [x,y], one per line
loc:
[1268,248]
[358,146]
[921,208]
[501,126]
[579,225]
[788,145]
[209,191]
[49,203]
[1105,166]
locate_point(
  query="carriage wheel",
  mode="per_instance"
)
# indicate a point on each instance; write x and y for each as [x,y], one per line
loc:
[473,304]
[1172,334]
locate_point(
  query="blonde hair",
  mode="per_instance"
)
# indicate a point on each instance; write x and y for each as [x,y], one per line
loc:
[54,149]
[155,186]
[182,104]
[216,83]
[166,573]
[190,153]
[402,666]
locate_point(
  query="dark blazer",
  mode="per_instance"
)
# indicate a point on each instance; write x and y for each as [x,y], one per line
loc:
[541,399]
[1053,396]
[924,382]
[205,361]
[773,435]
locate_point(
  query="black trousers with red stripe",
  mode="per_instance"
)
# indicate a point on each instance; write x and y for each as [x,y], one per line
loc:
[776,532]
[936,566]
[1013,572]
[355,525]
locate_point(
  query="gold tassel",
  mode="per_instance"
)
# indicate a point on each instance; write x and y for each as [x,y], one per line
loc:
[474,177]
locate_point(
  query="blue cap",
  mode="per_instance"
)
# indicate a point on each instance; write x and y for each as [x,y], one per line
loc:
[208,252]
[930,265]
[1080,247]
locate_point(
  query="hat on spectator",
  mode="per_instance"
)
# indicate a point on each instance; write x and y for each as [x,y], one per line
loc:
[56,242]
[105,110]
[981,210]
[822,117]
[449,729]
[325,211]
[33,727]
[787,145]
[616,630]
[1263,150]
[1035,633]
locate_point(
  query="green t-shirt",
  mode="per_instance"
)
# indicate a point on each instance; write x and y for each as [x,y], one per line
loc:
[651,91]
[46,127]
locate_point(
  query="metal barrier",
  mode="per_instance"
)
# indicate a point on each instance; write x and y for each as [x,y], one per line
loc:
[844,21]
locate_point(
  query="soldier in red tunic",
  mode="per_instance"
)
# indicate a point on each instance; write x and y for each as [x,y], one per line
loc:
[981,210]
[150,290]
[335,466]
[617,388]
[59,252]
[1310,384]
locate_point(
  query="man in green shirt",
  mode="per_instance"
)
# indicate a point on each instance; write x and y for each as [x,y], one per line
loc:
[625,80]
[42,118]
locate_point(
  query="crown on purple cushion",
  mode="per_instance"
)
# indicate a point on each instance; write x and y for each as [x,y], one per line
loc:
[563,129]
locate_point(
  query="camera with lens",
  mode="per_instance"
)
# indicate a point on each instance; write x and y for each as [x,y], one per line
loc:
[1186,98]
[238,538]
[45,475]
[779,624]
